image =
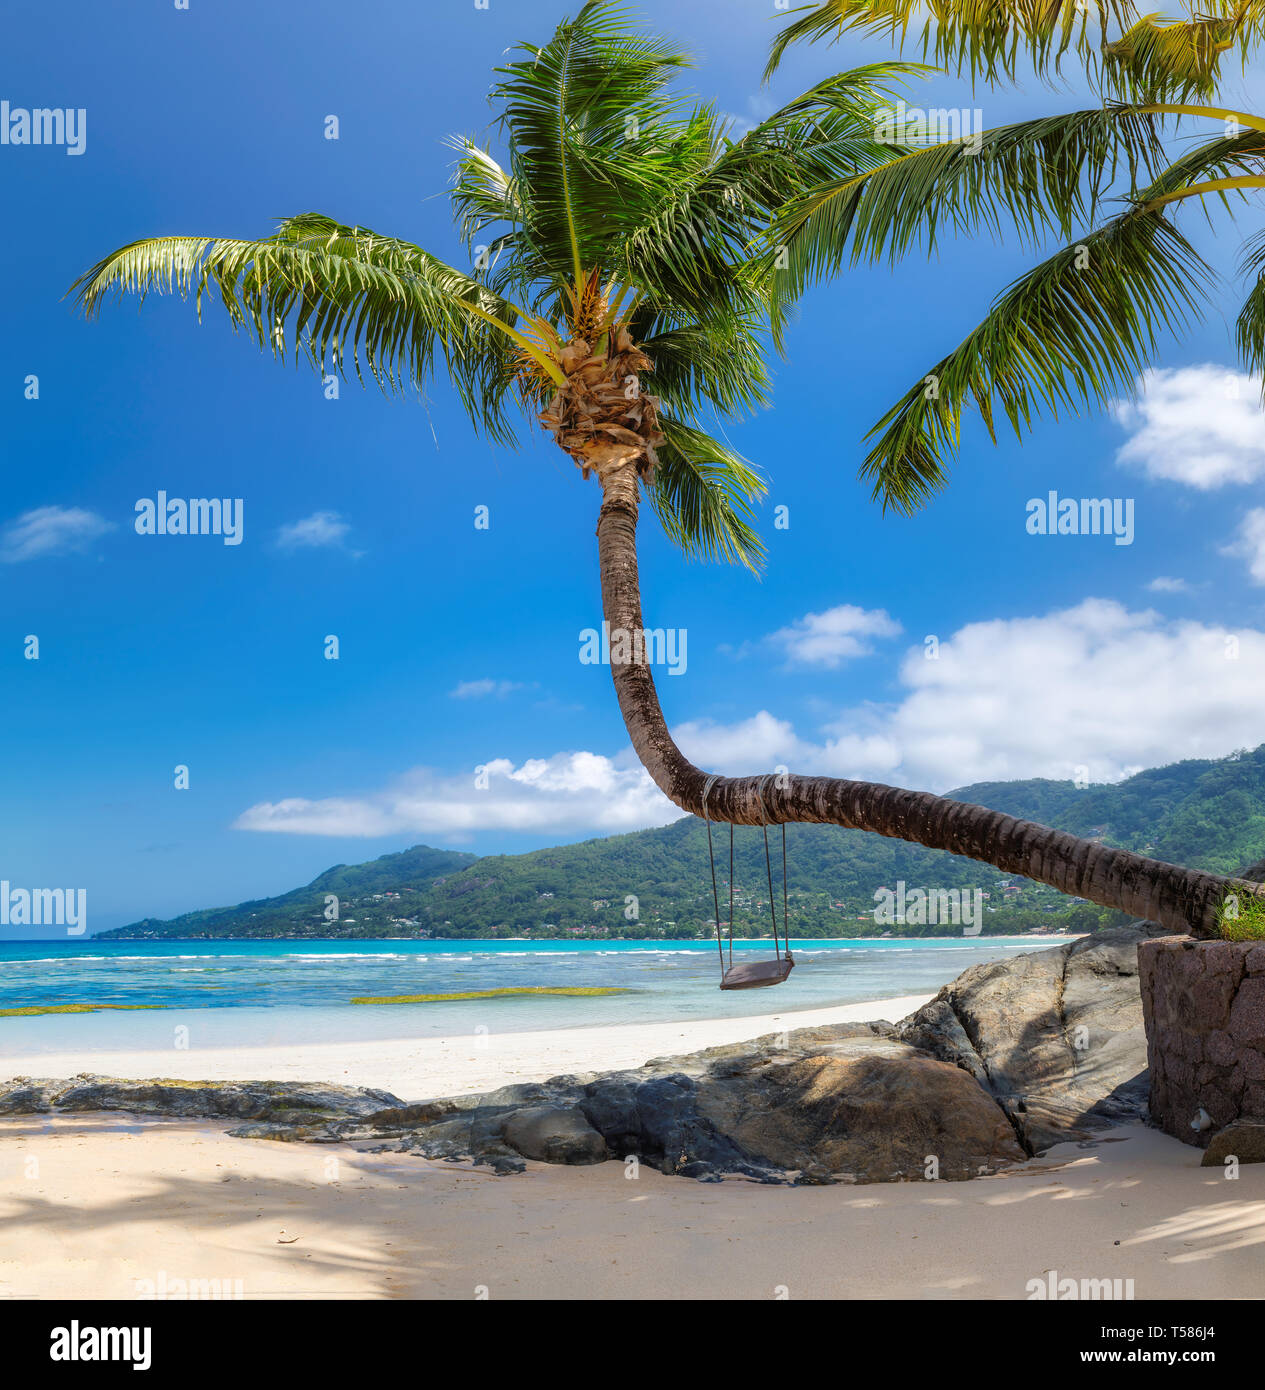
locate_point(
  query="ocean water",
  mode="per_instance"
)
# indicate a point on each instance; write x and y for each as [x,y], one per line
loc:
[256,992]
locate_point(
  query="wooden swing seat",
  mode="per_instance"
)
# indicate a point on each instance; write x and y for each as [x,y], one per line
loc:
[758,974]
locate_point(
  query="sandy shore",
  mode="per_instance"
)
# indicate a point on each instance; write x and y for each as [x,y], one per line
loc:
[417,1069]
[91,1204]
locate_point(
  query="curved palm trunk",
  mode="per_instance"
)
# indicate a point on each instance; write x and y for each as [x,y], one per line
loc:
[1184,900]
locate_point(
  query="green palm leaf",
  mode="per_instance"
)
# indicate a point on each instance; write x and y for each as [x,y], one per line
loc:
[1078,327]
[321,290]
[1127,49]
[703,493]
[1037,176]
[1250,324]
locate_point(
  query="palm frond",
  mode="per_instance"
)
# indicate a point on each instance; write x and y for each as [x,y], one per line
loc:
[986,38]
[1035,177]
[1078,327]
[1250,325]
[1125,49]
[719,365]
[703,493]
[572,112]
[1182,57]
[701,245]
[321,290]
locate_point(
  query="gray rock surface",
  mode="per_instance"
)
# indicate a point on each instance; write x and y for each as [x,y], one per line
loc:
[280,1102]
[1055,1036]
[555,1134]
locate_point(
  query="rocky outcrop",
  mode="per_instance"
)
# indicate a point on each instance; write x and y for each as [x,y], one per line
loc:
[1055,1036]
[843,1104]
[1205,1023]
[292,1103]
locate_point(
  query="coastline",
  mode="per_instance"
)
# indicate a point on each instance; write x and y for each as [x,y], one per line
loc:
[424,1068]
[182,1207]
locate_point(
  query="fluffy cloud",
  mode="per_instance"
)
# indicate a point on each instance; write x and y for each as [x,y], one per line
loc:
[1095,687]
[480,689]
[581,792]
[1164,585]
[312,532]
[49,531]
[754,745]
[1250,543]
[1202,426]
[835,636]
[1096,690]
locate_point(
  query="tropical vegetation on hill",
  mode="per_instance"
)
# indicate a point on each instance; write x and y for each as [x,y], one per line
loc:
[1203,813]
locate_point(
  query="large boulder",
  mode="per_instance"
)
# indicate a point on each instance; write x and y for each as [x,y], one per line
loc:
[866,1107]
[1055,1036]
[841,1104]
[1241,1140]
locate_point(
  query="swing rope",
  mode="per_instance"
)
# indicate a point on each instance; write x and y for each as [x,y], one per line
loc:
[731,893]
[715,895]
[768,865]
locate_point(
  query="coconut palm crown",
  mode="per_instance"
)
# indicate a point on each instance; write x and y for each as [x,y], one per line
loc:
[612,287]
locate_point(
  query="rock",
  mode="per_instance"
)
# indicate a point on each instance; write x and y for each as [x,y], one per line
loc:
[820,1105]
[552,1134]
[1244,1140]
[849,1103]
[1056,1036]
[280,1102]
[867,1109]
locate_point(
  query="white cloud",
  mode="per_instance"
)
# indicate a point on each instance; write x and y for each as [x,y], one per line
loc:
[1202,426]
[312,532]
[49,531]
[1250,544]
[480,689]
[835,636]
[1164,585]
[757,744]
[1095,687]
[581,792]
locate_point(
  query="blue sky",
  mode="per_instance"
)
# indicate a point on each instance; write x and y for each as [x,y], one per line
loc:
[459,647]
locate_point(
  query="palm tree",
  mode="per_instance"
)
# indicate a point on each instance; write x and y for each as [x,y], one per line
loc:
[625,271]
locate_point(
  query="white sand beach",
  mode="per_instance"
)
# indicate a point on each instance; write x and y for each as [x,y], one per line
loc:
[418,1069]
[91,1204]
[94,1205]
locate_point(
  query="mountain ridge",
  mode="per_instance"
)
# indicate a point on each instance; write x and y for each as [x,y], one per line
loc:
[1207,813]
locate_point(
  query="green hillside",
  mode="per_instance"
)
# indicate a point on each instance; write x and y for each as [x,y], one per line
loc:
[656,883]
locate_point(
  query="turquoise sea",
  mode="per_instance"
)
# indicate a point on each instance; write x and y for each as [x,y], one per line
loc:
[250,992]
